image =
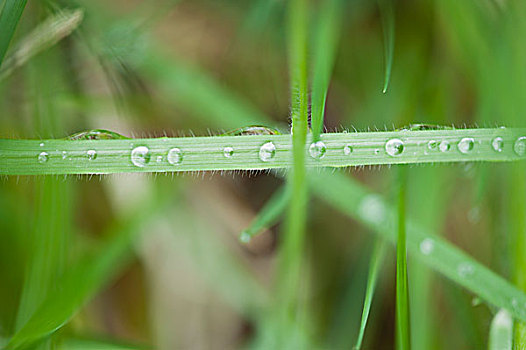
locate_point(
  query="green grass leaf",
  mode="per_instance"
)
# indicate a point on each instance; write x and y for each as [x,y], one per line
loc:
[326,37]
[351,198]
[9,17]
[268,215]
[388,24]
[402,293]
[377,258]
[256,152]
[44,36]
[83,280]
[501,331]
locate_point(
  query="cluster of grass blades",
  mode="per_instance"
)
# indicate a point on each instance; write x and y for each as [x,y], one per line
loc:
[53,291]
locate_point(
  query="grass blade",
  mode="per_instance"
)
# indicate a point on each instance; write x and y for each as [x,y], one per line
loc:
[402,294]
[501,331]
[291,251]
[351,198]
[324,51]
[9,17]
[83,280]
[190,86]
[45,35]
[377,258]
[388,24]
[268,215]
[21,157]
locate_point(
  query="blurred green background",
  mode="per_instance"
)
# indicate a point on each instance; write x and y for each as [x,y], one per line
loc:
[170,271]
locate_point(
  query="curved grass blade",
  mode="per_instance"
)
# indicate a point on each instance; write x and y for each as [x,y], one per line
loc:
[324,51]
[351,198]
[39,157]
[388,24]
[501,331]
[402,293]
[268,215]
[83,280]
[377,258]
[45,35]
[9,17]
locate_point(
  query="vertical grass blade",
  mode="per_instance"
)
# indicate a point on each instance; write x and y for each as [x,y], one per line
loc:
[388,24]
[501,331]
[293,241]
[268,215]
[402,294]
[9,17]
[377,258]
[325,45]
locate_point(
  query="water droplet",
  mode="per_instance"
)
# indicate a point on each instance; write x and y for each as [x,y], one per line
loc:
[432,145]
[444,146]
[427,246]
[92,154]
[42,144]
[474,215]
[245,237]
[347,149]
[497,143]
[466,145]
[43,157]
[372,208]
[520,146]
[317,150]
[159,159]
[394,147]
[64,155]
[377,151]
[140,156]
[465,269]
[267,151]
[228,151]
[175,156]
[514,303]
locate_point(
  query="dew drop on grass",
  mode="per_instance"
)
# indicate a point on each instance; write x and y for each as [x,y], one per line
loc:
[377,151]
[228,151]
[159,159]
[465,269]
[64,155]
[432,145]
[347,150]
[427,246]
[394,147]
[317,150]
[466,145]
[372,208]
[92,154]
[444,146]
[174,156]
[267,151]
[43,157]
[42,144]
[140,156]
[244,237]
[497,144]
[520,146]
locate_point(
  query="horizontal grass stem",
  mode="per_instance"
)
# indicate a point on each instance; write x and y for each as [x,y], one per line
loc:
[217,153]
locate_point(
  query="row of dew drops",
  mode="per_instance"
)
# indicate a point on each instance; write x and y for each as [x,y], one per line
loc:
[140,156]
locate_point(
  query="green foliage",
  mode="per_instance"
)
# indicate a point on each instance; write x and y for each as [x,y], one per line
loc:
[9,16]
